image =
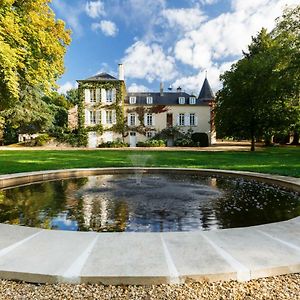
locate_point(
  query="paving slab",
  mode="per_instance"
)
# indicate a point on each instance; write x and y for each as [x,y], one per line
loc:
[46,257]
[194,258]
[127,258]
[262,255]
[12,234]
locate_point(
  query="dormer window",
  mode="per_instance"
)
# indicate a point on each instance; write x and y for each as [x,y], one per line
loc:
[181,100]
[149,100]
[132,100]
[192,100]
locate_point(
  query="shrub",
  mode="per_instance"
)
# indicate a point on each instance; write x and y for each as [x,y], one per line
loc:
[114,144]
[42,140]
[152,143]
[183,142]
[200,139]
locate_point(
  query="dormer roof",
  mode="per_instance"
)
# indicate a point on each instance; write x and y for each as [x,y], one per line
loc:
[101,77]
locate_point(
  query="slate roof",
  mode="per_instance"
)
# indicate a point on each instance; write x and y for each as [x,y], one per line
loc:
[168,98]
[100,77]
[206,93]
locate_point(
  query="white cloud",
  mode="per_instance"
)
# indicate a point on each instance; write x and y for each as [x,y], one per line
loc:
[148,61]
[107,27]
[70,14]
[66,87]
[134,88]
[95,9]
[194,83]
[185,18]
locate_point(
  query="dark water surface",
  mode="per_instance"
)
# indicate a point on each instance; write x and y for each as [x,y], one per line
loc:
[146,202]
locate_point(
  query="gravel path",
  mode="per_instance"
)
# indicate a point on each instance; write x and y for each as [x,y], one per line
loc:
[278,287]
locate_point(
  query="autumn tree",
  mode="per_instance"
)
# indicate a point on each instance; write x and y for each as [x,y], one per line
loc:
[32,48]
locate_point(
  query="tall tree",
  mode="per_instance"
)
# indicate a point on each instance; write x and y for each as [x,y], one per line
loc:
[32,48]
[257,98]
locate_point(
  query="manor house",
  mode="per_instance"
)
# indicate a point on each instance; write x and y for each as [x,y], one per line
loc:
[110,112]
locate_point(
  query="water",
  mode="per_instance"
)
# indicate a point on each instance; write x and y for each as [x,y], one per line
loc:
[154,203]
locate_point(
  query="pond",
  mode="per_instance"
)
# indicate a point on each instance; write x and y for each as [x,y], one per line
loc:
[147,203]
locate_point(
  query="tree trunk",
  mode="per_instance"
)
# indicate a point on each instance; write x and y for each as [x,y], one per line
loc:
[295,138]
[252,143]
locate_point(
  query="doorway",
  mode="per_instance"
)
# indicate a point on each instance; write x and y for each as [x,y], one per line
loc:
[132,139]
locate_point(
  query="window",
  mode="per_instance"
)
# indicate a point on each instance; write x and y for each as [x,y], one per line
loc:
[150,134]
[109,96]
[93,95]
[181,100]
[109,117]
[149,100]
[132,100]
[149,119]
[92,117]
[192,100]
[131,119]
[192,120]
[181,120]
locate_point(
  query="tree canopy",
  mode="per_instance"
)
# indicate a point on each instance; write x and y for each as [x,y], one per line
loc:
[32,48]
[260,92]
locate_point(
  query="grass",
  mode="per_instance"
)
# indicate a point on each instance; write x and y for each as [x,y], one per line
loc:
[276,160]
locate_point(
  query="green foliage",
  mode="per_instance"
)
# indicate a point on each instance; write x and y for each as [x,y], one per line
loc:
[97,128]
[10,134]
[255,100]
[169,133]
[114,144]
[74,138]
[42,140]
[72,97]
[200,139]
[152,143]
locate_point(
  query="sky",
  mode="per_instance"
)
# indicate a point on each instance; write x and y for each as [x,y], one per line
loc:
[171,41]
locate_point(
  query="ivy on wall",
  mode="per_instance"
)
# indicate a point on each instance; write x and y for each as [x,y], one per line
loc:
[121,127]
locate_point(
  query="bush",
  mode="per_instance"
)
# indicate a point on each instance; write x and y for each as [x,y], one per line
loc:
[200,139]
[152,143]
[184,142]
[114,144]
[74,138]
[41,140]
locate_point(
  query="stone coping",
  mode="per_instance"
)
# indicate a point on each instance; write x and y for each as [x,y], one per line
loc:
[39,255]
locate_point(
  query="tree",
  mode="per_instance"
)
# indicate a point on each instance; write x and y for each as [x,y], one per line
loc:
[72,97]
[257,98]
[287,32]
[32,48]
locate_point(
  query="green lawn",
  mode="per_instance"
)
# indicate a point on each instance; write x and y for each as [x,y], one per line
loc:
[276,160]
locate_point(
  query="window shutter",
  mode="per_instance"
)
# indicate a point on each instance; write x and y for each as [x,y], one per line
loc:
[103,95]
[153,119]
[196,120]
[114,117]
[98,95]
[103,117]
[87,117]
[87,96]
[186,119]
[114,95]
[128,119]
[177,120]
[145,119]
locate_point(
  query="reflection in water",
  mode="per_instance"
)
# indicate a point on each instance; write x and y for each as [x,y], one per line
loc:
[157,203]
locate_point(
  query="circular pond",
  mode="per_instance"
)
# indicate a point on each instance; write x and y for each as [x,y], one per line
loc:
[147,202]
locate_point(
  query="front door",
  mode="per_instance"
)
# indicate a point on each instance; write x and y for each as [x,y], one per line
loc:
[92,139]
[169,120]
[132,139]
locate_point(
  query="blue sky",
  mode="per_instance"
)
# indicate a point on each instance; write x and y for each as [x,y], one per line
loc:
[174,41]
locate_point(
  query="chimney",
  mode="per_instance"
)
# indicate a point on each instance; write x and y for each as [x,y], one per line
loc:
[121,72]
[161,88]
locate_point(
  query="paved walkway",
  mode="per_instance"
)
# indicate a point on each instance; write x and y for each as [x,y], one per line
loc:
[38,255]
